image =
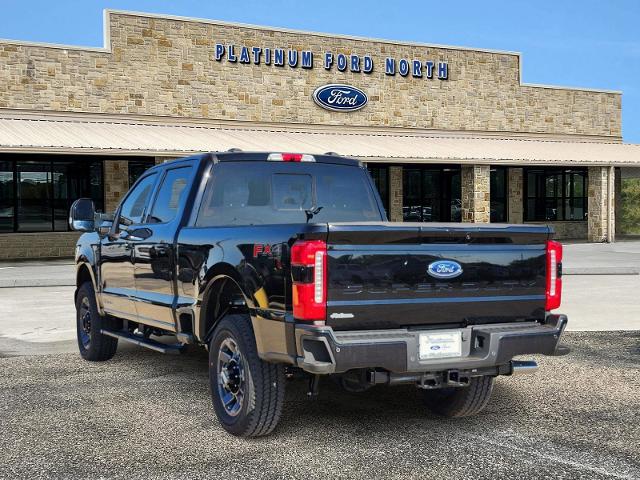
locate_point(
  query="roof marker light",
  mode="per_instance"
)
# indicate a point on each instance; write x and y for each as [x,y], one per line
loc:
[290,157]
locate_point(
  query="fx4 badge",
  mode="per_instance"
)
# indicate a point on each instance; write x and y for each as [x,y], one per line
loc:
[266,250]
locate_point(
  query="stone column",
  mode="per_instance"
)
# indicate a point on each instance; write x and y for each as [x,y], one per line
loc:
[599,216]
[618,201]
[116,182]
[515,201]
[475,193]
[395,193]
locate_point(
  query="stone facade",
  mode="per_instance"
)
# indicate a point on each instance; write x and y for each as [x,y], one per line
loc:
[475,193]
[161,66]
[395,193]
[37,245]
[599,212]
[573,230]
[618,201]
[116,182]
[515,207]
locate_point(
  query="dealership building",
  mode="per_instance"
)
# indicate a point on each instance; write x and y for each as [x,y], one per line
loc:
[449,134]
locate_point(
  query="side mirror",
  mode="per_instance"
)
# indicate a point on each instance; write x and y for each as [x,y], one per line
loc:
[81,215]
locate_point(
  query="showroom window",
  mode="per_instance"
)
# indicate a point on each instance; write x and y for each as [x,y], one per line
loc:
[6,196]
[36,191]
[138,167]
[380,176]
[431,194]
[498,189]
[555,194]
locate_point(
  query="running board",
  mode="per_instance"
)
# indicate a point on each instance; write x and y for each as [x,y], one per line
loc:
[144,342]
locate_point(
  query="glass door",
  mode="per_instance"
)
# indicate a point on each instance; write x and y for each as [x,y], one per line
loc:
[34,197]
[431,194]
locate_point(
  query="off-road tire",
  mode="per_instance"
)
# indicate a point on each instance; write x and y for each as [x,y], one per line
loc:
[460,401]
[264,383]
[100,347]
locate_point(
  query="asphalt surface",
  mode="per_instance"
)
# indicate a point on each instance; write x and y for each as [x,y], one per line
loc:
[144,415]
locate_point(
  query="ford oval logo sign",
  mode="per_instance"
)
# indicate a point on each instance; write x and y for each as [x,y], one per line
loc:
[444,269]
[340,98]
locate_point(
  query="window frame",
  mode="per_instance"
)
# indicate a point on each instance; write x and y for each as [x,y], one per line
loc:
[156,192]
[116,219]
[562,197]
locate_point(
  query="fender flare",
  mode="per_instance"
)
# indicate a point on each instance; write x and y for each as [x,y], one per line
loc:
[84,265]
[220,273]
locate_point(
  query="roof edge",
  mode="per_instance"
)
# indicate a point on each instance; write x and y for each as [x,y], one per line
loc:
[169,121]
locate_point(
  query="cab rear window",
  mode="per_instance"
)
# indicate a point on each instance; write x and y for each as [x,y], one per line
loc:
[248,193]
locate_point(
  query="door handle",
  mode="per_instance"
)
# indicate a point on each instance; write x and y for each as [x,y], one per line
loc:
[136,235]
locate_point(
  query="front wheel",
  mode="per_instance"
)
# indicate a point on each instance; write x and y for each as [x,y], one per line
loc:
[460,401]
[93,344]
[247,392]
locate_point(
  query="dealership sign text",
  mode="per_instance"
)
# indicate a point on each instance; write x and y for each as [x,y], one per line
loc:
[281,57]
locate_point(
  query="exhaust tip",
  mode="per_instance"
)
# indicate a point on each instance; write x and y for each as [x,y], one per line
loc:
[519,367]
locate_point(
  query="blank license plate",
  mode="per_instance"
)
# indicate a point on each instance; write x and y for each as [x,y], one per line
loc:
[440,345]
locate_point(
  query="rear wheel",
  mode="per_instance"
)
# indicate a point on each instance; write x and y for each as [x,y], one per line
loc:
[460,401]
[247,392]
[92,343]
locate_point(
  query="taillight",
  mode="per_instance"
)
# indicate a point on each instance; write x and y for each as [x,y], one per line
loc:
[290,157]
[554,275]
[309,273]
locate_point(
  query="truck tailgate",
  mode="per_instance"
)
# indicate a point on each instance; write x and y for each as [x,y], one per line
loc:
[379,275]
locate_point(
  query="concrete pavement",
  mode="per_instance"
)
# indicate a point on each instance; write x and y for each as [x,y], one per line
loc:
[601,302]
[43,273]
[605,258]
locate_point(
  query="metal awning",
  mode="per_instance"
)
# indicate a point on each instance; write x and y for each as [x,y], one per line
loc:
[169,138]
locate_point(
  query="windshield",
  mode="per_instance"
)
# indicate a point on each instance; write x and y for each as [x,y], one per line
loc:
[248,193]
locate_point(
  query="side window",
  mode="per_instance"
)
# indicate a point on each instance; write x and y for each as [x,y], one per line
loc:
[171,195]
[133,206]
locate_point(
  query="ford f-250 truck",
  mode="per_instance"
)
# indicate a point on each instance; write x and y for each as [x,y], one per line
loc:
[281,264]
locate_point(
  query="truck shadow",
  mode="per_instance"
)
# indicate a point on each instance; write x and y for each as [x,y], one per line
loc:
[378,410]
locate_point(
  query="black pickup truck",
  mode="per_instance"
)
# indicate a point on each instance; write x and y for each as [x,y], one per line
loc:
[284,265]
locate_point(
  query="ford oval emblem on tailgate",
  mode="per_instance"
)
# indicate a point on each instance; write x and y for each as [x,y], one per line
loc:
[444,269]
[340,98]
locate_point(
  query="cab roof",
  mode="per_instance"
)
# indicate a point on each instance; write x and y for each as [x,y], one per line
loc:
[240,156]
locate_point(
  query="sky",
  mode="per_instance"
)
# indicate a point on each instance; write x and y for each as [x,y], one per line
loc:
[584,43]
